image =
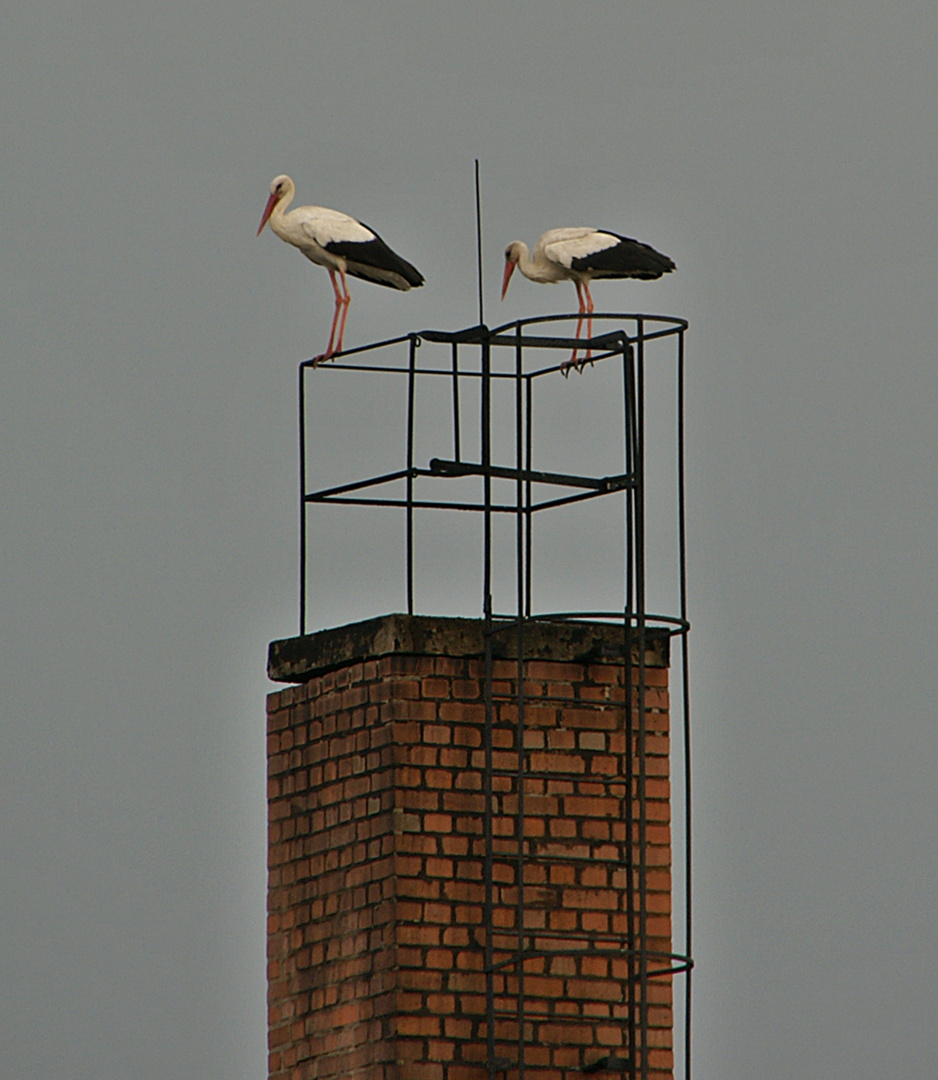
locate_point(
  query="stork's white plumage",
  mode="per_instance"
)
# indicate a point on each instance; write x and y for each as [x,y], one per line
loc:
[339,243]
[579,255]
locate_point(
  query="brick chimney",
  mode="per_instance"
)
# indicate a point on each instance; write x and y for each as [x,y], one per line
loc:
[413,934]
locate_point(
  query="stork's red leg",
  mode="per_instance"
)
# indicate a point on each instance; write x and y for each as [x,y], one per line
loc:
[589,325]
[339,301]
[565,367]
[346,300]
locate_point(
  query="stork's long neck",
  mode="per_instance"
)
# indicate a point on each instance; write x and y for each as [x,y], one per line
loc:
[536,269]
[279,213]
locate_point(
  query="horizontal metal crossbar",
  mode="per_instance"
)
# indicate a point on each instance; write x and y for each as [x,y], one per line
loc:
[609,1063]
[611,343]
[569,778]
[653,623]
[668,325]
[358,485]
[470,335]
[429,504]
[678,962]
[476,335]
[511,859]
[442,467]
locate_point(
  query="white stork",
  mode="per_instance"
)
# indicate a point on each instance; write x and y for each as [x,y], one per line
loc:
[579,255]
[339,243]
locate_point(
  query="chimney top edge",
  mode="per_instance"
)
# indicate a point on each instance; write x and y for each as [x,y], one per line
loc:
[298,659]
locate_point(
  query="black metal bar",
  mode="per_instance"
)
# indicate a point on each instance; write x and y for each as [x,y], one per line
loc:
[446,372]
[610,343]
[563,859]
[533,953]
[411,396]
[372,347]
[669,623]
[471,335]
[505,336]
[441,467]
[519,729]
[685,675]
[302,552]
[642,719]
[357,485]
[658,973]
[550,504]
[609,1063]
[489,859]
[479,242]
[628,390]
[457,441]
[486,450]
[459,469]
[671,324]
[592,778]
[485,442]
[519,854]
[668,324]
[528,515]
[421,504]
[474,335]
[572,778]
[521,474]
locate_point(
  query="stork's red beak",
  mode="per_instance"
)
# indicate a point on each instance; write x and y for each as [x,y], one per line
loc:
[509,270]
[268,210]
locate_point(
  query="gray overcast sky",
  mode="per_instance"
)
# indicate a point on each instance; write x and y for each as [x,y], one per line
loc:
[784,154]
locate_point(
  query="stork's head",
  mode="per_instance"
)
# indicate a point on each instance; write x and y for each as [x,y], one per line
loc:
[512,255]
[281,189]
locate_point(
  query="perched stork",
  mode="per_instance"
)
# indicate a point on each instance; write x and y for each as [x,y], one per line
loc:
[339,243]
[579,255]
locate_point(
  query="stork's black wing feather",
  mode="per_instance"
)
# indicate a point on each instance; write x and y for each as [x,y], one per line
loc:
[627,258]
[374,261]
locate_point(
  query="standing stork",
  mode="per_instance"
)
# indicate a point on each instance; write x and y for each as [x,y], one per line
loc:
[339,243]
[579,255]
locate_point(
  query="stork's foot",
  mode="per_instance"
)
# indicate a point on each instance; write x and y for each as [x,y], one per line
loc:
[323,357]
[573,362]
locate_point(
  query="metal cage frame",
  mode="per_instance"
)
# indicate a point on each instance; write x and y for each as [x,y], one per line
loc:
[521,353]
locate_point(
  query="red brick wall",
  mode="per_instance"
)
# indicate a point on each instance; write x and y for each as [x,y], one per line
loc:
[376,941]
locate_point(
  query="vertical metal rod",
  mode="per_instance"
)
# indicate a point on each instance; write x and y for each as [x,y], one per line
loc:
[489,860]
[642,720]
[302,503]
[519,858]
[485,436]
[688,837]
[457,441]
[529,494]
[520,562]
[479,243]
[519,734]
[411,394]
[628,380]
[628,362]
[485,415]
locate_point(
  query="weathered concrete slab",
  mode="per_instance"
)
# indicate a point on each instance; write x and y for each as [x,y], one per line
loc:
[297,659]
